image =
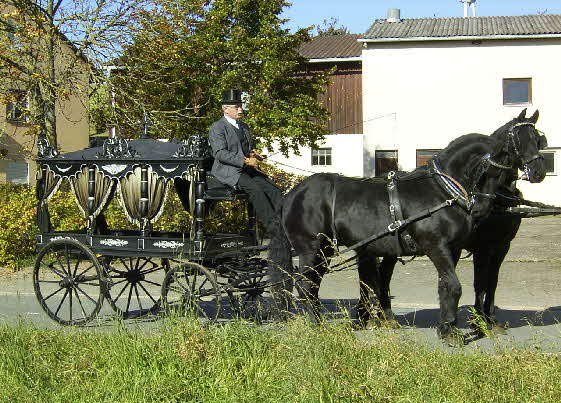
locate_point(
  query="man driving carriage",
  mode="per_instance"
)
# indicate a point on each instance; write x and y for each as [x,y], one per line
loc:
[235,160]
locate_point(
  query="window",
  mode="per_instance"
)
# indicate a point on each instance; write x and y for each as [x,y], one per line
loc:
[549,157]
[13,34]
[517,91]
[423,156]
[16,110]
[321,156]
[386,161]
[17,172]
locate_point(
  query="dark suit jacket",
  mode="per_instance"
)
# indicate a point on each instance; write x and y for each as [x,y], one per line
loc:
[227,150]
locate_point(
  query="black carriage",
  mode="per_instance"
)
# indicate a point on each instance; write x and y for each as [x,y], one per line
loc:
[142,271]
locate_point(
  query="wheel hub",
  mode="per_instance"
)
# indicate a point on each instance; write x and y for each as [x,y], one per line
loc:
[68,282]
[134,276]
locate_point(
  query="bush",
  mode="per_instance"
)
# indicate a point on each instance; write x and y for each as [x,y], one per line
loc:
[19,207]
[17,224]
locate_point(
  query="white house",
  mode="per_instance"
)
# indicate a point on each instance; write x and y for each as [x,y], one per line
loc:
[438,78]
[427,81]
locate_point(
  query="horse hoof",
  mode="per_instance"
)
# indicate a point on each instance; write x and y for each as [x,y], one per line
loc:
[498,328]
[371,324]
[389,324]
[452,336]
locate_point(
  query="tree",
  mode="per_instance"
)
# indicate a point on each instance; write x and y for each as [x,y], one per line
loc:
[50,51]
[331,27]
[187,51]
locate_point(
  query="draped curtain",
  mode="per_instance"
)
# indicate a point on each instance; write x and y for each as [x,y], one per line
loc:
[130,195]
[104,187]
[47,184]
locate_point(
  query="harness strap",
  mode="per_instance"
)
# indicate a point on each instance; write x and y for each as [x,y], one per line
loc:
[333,231]
[398,224]
[406,244]
[451,186]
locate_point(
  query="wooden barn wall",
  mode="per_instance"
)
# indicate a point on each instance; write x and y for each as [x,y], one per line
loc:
[343,97]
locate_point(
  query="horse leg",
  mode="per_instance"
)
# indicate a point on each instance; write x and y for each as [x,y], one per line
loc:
[312,267]
[369,282]
[480,269]
[495,261]
[386,272]
[375,278]
[449,290]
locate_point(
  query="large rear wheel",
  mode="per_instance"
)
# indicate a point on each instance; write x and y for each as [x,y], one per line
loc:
[68,282]
[191,289]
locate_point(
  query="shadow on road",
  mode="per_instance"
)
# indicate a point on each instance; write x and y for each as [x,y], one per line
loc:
[428,317]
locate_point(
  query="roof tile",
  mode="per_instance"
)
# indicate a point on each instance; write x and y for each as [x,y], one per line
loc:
[470,26]
[332,46]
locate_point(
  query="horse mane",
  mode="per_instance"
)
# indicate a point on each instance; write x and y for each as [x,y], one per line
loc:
[458,142]
[503,129]
[474,168]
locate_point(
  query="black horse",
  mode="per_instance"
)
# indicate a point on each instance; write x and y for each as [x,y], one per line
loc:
[490,241]
[325,207]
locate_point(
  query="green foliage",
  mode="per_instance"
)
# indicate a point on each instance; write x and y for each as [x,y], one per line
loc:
[182,362]
[17,224]
[186,53]
[331,27]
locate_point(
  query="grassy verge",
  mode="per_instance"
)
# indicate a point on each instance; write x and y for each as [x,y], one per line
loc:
[239,363]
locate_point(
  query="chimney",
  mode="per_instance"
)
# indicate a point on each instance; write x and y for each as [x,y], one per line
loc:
[394,15]
[468,4]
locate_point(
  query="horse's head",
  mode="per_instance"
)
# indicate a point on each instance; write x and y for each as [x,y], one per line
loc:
[518,146]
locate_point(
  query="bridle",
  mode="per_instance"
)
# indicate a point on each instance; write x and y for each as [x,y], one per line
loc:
[513,137]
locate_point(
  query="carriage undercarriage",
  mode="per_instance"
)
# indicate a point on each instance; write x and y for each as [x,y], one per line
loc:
[143,272]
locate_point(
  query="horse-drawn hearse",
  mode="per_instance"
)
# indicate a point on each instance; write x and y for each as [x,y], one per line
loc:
[140,271]
[437,210]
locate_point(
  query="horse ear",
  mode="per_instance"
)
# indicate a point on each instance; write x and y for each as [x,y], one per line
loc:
[522,115]
[535,116]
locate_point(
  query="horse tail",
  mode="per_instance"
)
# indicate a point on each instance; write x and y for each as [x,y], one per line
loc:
[280,264]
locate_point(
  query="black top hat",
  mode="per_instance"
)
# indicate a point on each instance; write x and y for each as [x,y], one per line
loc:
[231,97]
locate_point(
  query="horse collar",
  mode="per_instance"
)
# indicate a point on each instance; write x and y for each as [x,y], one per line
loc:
[452,186]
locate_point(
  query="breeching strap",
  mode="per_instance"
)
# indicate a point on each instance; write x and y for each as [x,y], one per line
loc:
[401,223]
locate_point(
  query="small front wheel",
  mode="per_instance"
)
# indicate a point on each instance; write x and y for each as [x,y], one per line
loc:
[191,289]
[135,284]
[68,282]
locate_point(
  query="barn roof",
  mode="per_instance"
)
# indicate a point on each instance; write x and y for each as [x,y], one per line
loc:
[332,46]
[512,27]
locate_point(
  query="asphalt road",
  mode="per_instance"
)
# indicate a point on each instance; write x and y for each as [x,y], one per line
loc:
[528,297]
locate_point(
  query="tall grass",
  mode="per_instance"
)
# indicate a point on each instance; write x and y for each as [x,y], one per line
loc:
[240,363]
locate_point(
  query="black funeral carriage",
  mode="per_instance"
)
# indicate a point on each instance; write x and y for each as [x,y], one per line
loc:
[142,271]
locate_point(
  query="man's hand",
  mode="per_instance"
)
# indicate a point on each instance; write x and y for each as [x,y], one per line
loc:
[251,161]
[254,154]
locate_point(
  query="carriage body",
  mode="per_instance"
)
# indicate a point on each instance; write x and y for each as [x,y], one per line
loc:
[135,269]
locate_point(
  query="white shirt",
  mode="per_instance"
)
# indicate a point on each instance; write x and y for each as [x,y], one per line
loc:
[233,122]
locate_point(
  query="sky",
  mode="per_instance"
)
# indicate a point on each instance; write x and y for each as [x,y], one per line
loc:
[358,15]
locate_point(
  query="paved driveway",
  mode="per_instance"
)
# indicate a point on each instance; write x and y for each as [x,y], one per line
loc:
[529,293]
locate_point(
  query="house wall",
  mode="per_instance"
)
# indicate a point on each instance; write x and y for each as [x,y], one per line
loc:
[346,157]
[18,145]
[343,95]
[421,95]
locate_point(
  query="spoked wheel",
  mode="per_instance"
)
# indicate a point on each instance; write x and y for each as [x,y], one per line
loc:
[249,293]
[191,289]
[68,282]
[134,284]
